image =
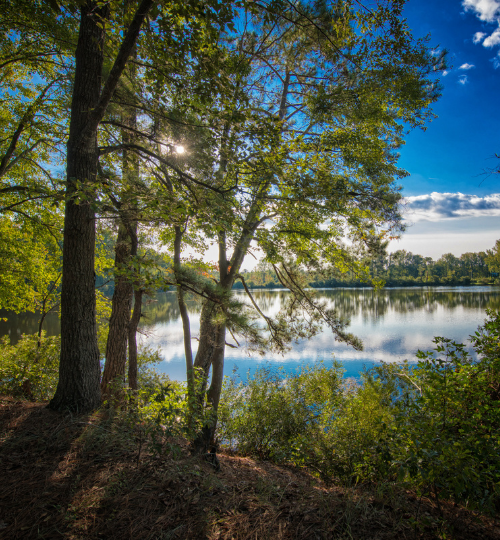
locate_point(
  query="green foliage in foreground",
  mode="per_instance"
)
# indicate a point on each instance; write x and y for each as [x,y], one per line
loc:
[445,436]
[153,417]
[277,415]
[309,418]
[433,426]
[30,368]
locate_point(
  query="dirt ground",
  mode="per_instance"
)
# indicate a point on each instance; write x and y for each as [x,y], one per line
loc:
[73,477]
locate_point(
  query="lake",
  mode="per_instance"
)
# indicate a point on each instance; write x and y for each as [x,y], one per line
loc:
[393,324]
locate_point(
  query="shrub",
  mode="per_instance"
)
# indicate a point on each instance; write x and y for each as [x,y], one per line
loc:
[148,378]
[446,435]
[351,444]
[30,368]
[276,414]
[433,425]
[31,371]
[311,418]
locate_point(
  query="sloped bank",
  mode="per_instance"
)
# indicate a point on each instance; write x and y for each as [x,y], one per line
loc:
[85,477]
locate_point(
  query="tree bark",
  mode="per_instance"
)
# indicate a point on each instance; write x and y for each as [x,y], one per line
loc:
[116,346]
[132,339]
[211,354]
[126,248]
[136,315]
[79,371]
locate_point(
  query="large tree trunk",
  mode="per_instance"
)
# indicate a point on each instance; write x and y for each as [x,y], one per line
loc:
[210,354]
[136,315]
[79,371]
[210,341]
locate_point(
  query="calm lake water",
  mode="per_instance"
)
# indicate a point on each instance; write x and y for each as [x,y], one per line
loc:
[393,324]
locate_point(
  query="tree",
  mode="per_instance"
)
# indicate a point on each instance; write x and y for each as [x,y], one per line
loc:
[493,258]
[30,266]
[121,329]
[32,132]
[79,371]
[165,101]
[307,154]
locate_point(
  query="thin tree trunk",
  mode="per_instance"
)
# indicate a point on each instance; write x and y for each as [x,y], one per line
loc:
[40,325]
[132,339]
[116,346]
[184,314]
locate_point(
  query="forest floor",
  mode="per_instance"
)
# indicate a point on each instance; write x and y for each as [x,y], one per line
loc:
[77,477]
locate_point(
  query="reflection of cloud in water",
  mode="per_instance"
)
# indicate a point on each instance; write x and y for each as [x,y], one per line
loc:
[390,329]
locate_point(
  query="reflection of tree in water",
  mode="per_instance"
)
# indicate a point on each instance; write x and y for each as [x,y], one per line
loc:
[373,304]
[27,323]
[368,303]
[267,300]
[164,308]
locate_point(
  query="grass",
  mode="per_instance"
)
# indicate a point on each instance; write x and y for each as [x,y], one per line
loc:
[90,477]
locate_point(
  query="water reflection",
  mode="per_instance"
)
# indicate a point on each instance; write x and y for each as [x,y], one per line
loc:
[26,323]
[371,304]
[393,324]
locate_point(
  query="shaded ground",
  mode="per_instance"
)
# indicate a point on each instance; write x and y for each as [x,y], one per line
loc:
[80,477]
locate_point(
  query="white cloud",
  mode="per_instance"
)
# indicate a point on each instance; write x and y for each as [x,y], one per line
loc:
[492,40]
[478,37]
[445,206]
[467,66]
[463,79]
[445,72]
[486,10]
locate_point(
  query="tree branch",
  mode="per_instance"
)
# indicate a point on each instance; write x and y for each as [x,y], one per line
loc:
[124,53]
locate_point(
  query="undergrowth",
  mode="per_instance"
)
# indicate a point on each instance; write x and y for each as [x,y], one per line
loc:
[432,426]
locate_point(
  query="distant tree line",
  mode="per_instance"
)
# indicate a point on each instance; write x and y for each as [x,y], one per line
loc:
[400,268]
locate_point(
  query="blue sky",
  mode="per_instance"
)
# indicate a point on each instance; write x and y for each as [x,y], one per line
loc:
[452,205]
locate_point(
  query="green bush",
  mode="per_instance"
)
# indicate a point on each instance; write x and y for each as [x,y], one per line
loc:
[311,418]
[433,425]
[276,415]
[29,370]
[445,439]
[351,445]
[148,378]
